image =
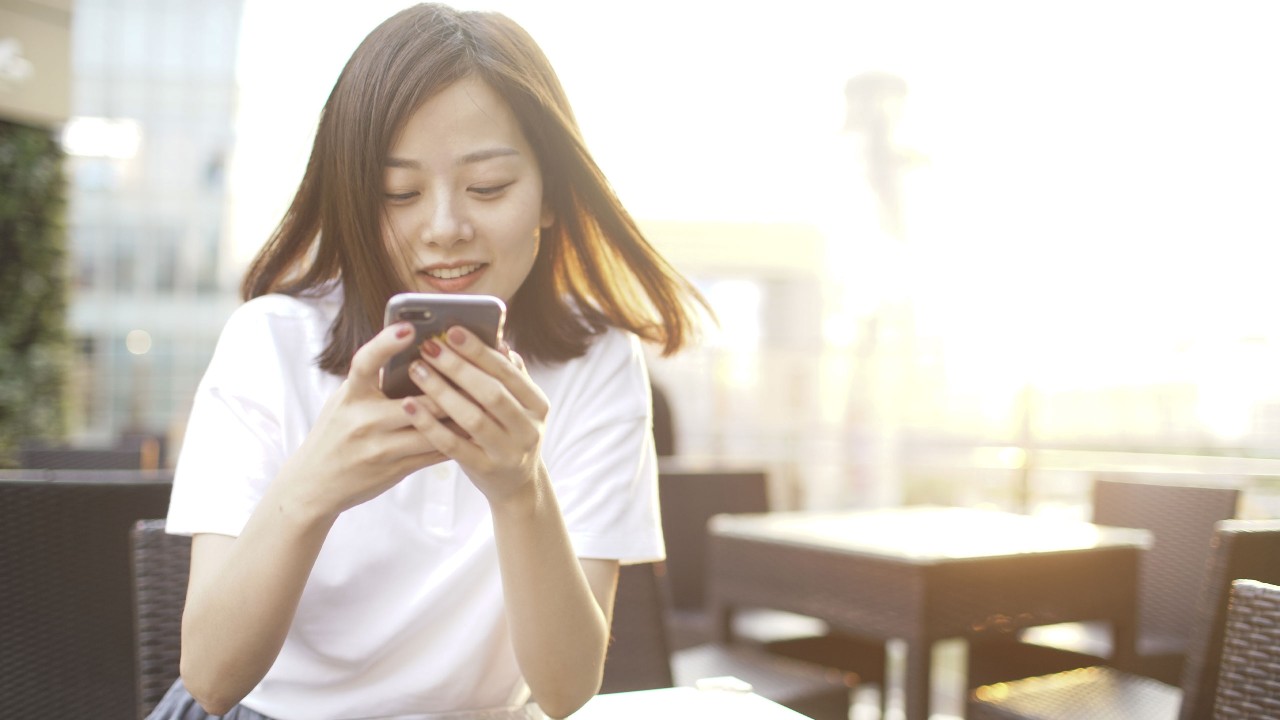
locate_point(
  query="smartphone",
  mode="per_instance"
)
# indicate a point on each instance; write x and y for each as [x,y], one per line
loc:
[432,315]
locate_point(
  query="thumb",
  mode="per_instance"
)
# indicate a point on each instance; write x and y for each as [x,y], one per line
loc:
[369,359]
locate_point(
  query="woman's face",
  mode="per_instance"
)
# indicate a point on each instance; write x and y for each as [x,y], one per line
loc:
[462,195]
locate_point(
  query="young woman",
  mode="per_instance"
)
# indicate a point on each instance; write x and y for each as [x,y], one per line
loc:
[454,553]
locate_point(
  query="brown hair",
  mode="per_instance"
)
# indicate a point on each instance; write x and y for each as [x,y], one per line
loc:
[594,267]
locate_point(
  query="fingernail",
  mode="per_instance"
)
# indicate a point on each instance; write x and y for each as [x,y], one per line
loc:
[403,330]
[410,407]
[419,369]
[457,336]
[430,348]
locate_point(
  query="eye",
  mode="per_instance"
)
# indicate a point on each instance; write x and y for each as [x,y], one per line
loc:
[400,197]
[490,190]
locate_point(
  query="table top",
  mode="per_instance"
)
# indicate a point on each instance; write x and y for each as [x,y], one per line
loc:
[927,534]
[684,703]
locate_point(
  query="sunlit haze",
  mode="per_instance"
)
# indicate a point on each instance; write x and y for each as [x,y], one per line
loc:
[1084,187]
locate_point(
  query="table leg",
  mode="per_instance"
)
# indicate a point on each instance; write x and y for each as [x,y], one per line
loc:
[1124,630]
[721,622]
[1124,641]
[917,683]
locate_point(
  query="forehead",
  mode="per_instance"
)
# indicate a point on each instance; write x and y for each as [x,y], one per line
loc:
[464,117]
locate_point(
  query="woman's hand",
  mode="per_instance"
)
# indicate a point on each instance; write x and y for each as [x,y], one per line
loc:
[362,443]
[496,414]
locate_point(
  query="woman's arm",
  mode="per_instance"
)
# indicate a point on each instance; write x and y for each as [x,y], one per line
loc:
[244,591]
[241,598]
[558,607]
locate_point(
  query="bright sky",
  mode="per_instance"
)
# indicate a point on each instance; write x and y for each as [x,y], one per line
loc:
[1107,171]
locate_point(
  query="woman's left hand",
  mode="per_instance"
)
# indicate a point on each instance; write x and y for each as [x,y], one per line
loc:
[496,414]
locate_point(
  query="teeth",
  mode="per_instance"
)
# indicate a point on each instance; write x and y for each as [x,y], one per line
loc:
[451,273]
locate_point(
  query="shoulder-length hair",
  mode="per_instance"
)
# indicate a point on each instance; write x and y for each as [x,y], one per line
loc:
[594,267]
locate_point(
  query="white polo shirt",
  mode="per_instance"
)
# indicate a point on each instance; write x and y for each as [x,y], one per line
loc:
[402,616]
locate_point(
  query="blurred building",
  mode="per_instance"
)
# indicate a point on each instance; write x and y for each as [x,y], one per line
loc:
[153,95]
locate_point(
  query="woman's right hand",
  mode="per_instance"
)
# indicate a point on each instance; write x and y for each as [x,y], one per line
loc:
[362,443]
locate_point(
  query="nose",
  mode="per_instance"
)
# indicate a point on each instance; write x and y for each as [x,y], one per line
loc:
[447,223]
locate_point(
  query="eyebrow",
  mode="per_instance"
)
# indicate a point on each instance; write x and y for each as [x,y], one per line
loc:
[468,159]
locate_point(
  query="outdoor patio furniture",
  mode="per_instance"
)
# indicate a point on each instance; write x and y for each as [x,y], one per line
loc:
[68,458]
[923,574]
[1181,518]
[1241,549]
[66,634]
[160,569]
[1249,679]
[691,495]
[639,657]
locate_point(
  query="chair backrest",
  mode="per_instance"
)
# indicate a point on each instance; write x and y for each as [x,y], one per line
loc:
[66,458]
[160,568]
[639,657]
[66,634]
[689,498]
[1181,519]
[1241,549]
[1249,680]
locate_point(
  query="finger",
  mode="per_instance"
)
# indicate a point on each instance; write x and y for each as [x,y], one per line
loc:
[425,403]
[465,392]
[456,402]
[371,356]
[507,368]
[418,417]
[448,439]
[410,451]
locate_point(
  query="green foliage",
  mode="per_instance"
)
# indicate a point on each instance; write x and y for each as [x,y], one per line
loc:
[34,345]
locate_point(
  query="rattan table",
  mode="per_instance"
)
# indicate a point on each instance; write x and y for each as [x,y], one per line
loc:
[923,574]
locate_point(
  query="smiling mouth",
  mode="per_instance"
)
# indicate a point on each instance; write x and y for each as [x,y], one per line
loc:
[453,273]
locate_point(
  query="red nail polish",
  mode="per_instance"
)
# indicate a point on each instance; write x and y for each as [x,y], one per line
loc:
[456,336]
[410,407]
[403,330]
[430,348]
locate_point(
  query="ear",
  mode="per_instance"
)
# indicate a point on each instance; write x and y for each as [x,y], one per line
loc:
[548,215]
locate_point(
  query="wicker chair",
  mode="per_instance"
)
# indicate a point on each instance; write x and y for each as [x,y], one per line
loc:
[690,497]
[1181,518]
[1240,549]
[67,648]
[639,657]
[160,565]
[69,458]
[1249,679]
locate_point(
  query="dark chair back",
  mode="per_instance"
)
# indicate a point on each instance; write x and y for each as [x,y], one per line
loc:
[1181,519]
[639,657]
[160,570]
[1249,680]
[67,458]
[1242,549]
[66,629]
[689,497]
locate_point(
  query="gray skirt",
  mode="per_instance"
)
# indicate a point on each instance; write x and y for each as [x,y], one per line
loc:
[177,704]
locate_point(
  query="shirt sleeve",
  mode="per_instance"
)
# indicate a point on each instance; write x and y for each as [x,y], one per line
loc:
[232,446]
[600,453]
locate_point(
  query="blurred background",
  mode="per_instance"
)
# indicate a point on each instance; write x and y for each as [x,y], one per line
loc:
[960,252]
